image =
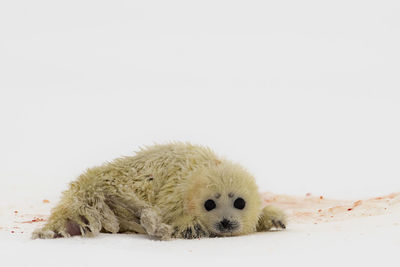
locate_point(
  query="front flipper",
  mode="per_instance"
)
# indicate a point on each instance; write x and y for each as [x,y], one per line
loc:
[189,229]
[151,222]
[271,217]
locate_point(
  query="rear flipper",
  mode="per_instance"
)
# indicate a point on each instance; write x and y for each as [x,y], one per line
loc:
[86,213]
[78,216]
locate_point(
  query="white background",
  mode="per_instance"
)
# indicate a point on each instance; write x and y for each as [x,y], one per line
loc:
[305,94]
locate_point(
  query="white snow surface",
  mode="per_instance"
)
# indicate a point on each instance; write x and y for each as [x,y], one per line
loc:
[362,240]
[304,94]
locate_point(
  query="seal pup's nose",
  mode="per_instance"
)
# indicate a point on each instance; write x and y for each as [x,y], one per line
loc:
[226,224]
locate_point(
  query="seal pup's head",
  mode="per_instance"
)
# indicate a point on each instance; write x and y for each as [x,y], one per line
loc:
[224,198]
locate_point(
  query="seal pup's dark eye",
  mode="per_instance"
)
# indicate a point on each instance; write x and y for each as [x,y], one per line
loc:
[239,203]
[209,205]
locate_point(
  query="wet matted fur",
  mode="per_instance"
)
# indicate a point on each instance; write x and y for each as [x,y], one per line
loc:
[174,190]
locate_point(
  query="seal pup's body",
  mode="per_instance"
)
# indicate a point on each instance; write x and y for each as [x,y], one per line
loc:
[175,190]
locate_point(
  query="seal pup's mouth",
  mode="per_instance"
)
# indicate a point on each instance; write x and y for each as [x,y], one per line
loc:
[226,227]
